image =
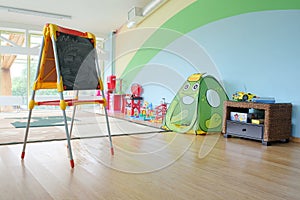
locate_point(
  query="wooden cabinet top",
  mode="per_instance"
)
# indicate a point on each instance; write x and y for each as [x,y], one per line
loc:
[243,104]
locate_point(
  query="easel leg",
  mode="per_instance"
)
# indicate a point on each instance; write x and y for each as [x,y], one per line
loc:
[72,121]
[73,115]
[68,139]
[26,134]
[109,133]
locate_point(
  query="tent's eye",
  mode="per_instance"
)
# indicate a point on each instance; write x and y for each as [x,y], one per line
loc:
[213,98]
[195,86]
[186,86]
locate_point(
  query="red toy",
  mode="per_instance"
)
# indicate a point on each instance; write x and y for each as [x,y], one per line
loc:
[111,86]
[160,111]
[135,99]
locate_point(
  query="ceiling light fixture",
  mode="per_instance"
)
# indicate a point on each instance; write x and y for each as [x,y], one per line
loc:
[152,6]
[34,12]
[136,14]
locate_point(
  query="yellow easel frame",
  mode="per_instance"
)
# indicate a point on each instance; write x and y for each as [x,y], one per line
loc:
[49,76]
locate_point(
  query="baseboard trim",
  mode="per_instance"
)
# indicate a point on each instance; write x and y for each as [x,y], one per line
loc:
[296,139]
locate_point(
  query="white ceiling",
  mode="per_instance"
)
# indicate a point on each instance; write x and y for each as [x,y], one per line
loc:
[97,16]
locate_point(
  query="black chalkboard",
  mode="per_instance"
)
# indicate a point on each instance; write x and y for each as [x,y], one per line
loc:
[76,56]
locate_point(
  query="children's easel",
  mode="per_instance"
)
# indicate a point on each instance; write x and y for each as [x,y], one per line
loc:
[68,61]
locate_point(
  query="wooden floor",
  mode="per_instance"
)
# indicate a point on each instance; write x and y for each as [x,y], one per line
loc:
[87,124]
[152,166]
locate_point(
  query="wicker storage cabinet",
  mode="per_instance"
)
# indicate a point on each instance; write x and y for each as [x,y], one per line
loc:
[277,121]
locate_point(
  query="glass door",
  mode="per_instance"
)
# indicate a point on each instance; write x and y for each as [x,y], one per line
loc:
[13,73]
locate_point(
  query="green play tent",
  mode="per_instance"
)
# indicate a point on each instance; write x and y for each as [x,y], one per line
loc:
[197,106]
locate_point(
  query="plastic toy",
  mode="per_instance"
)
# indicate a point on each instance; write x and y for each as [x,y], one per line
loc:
[133,107]
[146,111]
[111,86]
[160,111]
[243,96]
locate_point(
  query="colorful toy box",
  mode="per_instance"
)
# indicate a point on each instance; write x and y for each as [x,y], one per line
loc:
[237,116]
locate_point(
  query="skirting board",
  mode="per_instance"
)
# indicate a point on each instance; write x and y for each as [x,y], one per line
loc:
[296,139]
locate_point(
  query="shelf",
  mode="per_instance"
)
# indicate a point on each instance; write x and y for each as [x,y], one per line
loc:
[242,129]
[244,123]
[277,121]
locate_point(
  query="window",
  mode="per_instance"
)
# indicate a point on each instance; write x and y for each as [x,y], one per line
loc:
[17,49]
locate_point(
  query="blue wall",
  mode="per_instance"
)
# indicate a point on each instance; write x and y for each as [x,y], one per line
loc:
[258,52]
